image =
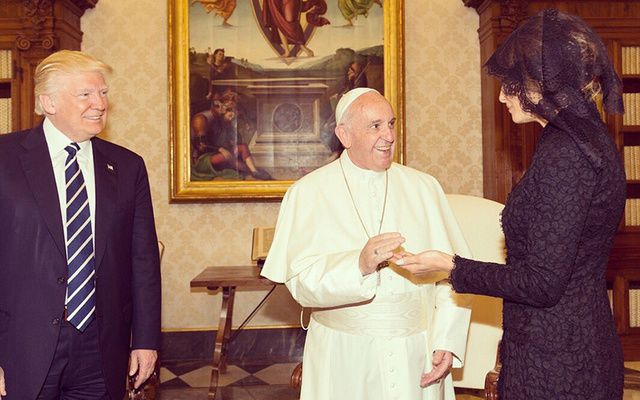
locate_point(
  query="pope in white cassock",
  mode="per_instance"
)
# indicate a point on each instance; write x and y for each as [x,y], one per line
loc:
[375,331]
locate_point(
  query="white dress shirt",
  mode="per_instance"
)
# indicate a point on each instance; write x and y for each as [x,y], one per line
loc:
[56,142]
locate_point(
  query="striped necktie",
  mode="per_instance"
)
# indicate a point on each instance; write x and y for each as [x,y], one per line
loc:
[80,302]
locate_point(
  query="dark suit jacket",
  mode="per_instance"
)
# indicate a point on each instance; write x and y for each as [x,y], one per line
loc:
[33,263]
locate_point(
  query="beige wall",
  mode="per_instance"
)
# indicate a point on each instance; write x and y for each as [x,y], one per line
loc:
[442,137]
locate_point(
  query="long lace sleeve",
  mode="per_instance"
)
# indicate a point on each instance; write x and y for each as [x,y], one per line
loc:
[543,224]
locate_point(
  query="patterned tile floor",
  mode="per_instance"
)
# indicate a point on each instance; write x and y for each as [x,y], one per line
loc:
[190,380]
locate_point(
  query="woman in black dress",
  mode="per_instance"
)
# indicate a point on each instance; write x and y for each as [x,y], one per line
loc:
[559,221]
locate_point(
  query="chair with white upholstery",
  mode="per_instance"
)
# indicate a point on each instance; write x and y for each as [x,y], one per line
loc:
[479,220]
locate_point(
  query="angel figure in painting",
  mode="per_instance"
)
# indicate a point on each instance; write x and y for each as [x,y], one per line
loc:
[223,8]
[281,19]
[219,68]
[350,9]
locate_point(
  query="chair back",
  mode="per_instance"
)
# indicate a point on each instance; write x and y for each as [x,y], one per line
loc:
[479,220]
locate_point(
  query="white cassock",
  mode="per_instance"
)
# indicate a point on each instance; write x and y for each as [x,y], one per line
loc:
[369,337]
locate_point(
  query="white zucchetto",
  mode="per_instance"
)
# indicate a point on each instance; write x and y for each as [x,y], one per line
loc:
[347,99]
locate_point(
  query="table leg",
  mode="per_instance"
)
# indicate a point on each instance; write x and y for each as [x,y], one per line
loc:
[222,338]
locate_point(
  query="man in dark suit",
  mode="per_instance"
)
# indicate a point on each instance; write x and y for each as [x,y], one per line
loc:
[79,264]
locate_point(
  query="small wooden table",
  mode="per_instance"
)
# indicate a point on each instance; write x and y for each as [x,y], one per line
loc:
[228,278]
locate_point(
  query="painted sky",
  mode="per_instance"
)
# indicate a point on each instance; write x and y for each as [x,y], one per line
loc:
[245,39]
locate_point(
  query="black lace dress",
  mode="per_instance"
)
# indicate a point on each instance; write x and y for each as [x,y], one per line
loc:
[559,221]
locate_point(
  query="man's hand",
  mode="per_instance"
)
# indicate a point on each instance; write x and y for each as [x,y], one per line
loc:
[3,386]
[142,364]
[378,249]
[442,361]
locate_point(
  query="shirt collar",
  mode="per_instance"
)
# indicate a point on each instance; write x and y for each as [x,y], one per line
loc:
[57,141]
[359,173]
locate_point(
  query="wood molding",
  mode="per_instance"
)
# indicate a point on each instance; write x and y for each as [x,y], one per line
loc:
[85,4]
[33,29]
[39,22]
[513,12]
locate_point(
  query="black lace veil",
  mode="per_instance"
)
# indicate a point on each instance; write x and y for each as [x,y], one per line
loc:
[555,64]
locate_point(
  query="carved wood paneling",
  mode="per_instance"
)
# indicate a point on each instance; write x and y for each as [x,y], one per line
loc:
[36,13]
[512,13]
[34,29]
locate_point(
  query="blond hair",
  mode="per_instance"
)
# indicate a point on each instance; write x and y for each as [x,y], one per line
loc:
[63,62]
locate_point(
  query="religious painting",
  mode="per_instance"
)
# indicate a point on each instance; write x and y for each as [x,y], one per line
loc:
[254,85]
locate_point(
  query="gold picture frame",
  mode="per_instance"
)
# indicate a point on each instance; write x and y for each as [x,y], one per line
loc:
[186,163]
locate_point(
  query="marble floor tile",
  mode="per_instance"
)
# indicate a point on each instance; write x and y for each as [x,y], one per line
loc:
[233,374]
[272,392]
[182,394]
[201,376]
[276,374]
[190,381]
[166,375]
[182,367]
[281,392]
[235,393]
[250,380]
[175,383]
[223,393]
[255,367]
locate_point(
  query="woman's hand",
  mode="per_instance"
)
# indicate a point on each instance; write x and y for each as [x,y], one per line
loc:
[425,262]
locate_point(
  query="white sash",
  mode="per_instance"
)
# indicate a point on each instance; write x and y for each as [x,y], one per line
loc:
[385,316]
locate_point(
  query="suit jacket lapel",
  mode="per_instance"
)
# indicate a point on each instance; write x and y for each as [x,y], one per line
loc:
[36,164]
[106,194]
